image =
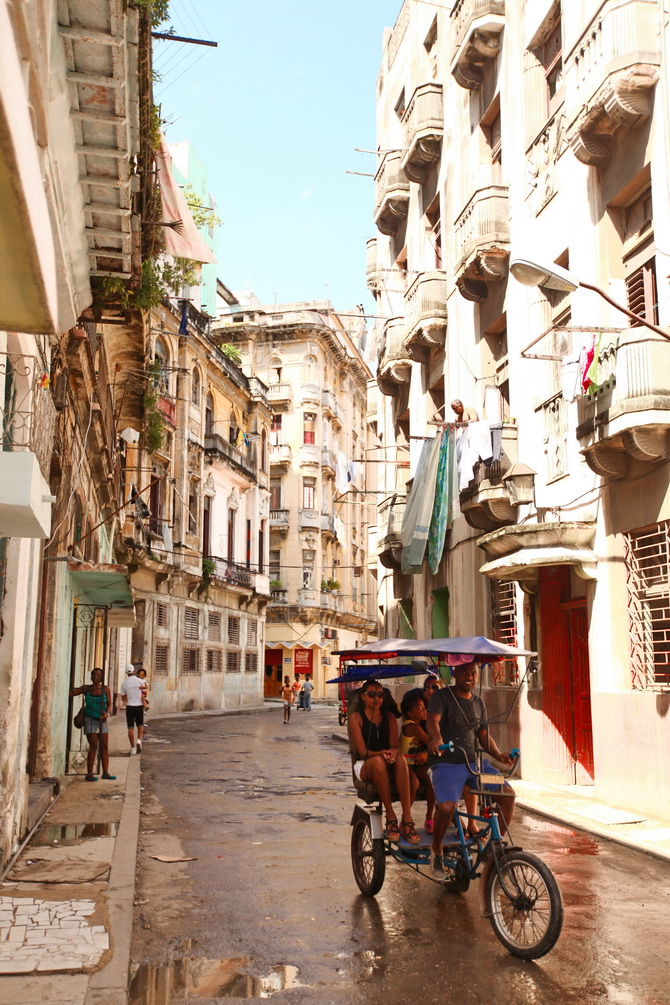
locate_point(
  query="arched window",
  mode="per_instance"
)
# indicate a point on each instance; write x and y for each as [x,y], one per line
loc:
[309,370]
[264,451]
[195,386]
[274,371]
[209,415]
[232,428]
[162,359]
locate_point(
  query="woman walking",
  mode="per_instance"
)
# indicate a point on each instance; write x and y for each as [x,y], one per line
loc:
[97,701]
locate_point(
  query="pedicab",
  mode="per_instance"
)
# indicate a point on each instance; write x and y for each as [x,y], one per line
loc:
[518,892]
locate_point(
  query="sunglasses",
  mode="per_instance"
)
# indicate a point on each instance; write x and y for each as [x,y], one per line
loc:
[373,694]
[431,687]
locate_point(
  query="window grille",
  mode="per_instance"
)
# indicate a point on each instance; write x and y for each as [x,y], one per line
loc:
[251,663]
[190,661]
[233,630]
[162,616]
[647,554]
[232,662]
[503,618]
[252,632]
[214,626]
[214,661]
[191,622]
[161,660]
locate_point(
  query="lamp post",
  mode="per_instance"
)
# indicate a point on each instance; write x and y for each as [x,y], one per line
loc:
[555,277]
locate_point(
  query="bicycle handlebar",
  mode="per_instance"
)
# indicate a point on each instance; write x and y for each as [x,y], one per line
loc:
[450,746]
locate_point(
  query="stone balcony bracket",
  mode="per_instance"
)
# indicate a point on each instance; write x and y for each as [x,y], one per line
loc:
[518,552]
[424,127]
[426,312]
[478,40]
[624,100]
[611,458]
[487,265]
[391,194]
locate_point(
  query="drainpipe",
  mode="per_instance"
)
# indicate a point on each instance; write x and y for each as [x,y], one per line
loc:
[35,700]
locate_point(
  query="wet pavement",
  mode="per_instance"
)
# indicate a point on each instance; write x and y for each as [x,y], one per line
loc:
[268,905]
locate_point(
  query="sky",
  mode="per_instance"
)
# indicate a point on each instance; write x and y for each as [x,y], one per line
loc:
[275,112]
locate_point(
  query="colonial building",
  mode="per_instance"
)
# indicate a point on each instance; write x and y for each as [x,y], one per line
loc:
[533,133]
[321,593]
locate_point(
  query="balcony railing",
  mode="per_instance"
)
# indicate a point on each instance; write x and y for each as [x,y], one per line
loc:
[485,503]
[477,26]
[371,275]
[280,455]
[279,596]
[628,418]
[423,123]
[308,598]
[230,572]
[482,235]
[280,392]
[328,523]
[330,406]
[328,459]
[391,193]
[262,584]
[279,518]
[215,444]
[309,518]
[610,76]
[394,361]
[389,543]
[426,310]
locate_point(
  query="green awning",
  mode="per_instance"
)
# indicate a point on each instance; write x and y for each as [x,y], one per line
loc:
[102,586]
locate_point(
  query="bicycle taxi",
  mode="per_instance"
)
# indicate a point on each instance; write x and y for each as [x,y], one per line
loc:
[518,891]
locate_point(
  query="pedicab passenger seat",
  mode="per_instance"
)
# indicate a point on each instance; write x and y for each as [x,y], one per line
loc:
[368,792]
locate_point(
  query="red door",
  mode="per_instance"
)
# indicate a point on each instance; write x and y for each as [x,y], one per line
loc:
[566,690]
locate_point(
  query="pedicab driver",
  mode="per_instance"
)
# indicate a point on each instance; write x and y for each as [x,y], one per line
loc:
[456,714]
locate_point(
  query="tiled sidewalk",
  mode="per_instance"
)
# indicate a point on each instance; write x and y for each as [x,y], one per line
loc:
[48,935]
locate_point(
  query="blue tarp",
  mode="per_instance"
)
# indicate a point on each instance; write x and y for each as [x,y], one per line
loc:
[378,671]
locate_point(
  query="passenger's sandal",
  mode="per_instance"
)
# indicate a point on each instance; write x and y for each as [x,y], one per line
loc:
[409,832]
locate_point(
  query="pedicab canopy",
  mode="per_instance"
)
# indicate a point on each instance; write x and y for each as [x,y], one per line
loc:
[451,651]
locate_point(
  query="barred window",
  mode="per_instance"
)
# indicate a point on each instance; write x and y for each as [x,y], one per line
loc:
[233,630]
[647,570]
[161,660]
[162,616]
[232,662]
[191,622]
[252,632]
[251,663]
[214,626]
[214,661]
[190,661]
[503,618]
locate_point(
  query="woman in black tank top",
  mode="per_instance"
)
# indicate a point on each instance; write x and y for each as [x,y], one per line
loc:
[373,733]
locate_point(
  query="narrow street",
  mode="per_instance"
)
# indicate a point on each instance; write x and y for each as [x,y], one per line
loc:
[268,903]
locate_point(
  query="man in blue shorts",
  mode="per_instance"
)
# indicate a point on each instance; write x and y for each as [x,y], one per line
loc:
[456,714]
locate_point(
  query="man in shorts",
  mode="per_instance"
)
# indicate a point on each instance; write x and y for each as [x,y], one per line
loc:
[456,714]
[132,695]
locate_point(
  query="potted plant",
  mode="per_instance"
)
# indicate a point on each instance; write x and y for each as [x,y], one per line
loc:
[275,584]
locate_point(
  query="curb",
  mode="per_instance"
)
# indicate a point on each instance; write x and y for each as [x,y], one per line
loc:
[109,986]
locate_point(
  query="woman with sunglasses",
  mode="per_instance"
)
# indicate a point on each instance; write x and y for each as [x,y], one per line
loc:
[373,734]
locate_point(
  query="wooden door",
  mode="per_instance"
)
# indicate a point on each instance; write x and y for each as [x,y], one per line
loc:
[581,693]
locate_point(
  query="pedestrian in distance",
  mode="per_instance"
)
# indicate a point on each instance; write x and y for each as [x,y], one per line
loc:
[97,702]
[132,696]
[287,699]
[307,689]
[298,697]
[142,674]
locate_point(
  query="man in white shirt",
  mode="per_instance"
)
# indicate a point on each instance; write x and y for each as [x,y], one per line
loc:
[132,690]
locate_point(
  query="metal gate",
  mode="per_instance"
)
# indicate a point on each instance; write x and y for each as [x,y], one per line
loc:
[89,650]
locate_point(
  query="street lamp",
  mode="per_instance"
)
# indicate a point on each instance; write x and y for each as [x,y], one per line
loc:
[555,277]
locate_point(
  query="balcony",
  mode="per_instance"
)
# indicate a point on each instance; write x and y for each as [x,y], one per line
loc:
[485,503]
[391,194]
[309,454]
[217,447]
[610,77]
[280,456]
[477,28]
[628,419]
[331,601]
[280,394]
[279,520]
[371,274]
[394,362]
[423,123]
[389,543]
[328,460]
[331,408]
[262,584]
[309,598]
[426,312]
[231,573]
[328,524]
[309,519]
[482,241]
[310,394]
[279,596]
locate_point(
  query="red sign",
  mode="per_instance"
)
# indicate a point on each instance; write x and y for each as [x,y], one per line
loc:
[302,660]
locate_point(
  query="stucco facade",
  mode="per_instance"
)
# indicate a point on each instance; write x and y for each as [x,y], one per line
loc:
[535,131]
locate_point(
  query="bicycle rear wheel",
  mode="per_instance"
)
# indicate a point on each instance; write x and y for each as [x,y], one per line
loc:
[367,858]
[524,905]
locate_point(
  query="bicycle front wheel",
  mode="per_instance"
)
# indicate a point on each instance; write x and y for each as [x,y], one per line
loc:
[524,905]
[368,858]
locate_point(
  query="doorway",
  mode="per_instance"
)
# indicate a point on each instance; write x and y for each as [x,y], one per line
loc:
[566,685]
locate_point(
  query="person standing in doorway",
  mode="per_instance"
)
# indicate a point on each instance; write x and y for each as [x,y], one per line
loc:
[307,689]
[132,695]
[297,692]
[287,699]
[98,701]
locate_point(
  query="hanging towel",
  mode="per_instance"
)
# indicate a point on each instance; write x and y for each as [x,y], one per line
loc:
[480,440]
[453,499]
[591,375]
[468,457]
[585,360]
[570,382]
[419,508]
[438,523]
[496,441]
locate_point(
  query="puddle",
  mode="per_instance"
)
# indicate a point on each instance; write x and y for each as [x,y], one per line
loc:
[193,978]
[70,834]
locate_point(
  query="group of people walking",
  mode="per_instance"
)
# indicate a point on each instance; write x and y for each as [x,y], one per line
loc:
[298,693]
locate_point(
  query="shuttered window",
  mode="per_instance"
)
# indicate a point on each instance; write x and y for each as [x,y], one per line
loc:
[191,622]
[503,617]
[190,661]
[233,662]
[214,626]
[252,632]
[162,615]
[641,293]
[233,630]
[251,663]
[161,660]
[214,661]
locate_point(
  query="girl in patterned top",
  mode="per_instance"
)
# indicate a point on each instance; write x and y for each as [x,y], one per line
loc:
[414,746]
